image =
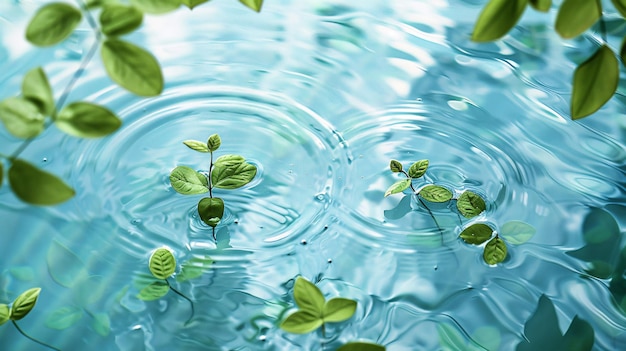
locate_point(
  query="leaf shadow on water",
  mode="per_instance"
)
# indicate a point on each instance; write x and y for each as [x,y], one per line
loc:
[402,209]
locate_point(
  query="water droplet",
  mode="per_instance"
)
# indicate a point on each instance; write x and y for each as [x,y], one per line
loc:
[330,260]
[45,159]
[303,242]
[135,221]
[262,338]
[436,267]
[236,221]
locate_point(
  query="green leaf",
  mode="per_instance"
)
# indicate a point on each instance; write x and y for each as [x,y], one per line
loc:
[301,322]
[21,117]
[395,166]
[620,5]
[63,265]
[495,251]
[595,82]
[418,169]
[470,204]
[24,303]
[214,142]
[435,193]
[193,3]
[210,208]
[194,268]
[398,187]
[156,6]
[36,88]
[37,187]
[188,182]
[579,336]
[253,4]
[576,16]
[101,324]
[361,346]
[196,145]
[118,19]
[497,18]
[64,317]
[338,309]
[132,67]
[476,233]
[86,120]
[541,5]
[5,313]
[517,232]
[308,297]
[52,24]
[232,177]
[162,263]
[154,291]
[229,160]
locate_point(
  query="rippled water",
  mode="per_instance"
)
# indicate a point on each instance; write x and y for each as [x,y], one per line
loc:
[319,95]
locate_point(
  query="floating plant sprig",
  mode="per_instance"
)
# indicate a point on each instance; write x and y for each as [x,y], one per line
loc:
[20,307]
[227,172]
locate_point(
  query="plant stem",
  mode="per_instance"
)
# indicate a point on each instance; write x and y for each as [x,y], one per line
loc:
[184,297]
[603,29]
[211,192]
[424,204]
[31,338]
[323,337]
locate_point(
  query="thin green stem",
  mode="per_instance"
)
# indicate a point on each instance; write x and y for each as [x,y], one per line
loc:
[184,297]
[432,215]
[210,180]
[323,337]
[603,29]
[33,339]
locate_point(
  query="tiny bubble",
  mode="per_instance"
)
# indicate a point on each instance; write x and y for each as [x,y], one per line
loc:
[45,159]
[325,227]
[436,267]
[303,242]
[236,221]
[262,337]
[330,260]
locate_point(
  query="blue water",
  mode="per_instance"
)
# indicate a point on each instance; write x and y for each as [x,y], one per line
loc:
[319,95]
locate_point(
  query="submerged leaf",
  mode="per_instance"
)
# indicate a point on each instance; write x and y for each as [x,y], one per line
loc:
[21,117]
[156,6]
[232,177]
[470,204]
[37,187]
[595,82]
[214,142]
[301,322]
[5,313]
[36,88]
[398,187]
[196,145]
[52,24]
[187,181]
[64,266]
[210,208]
[132,67]
[541,5]
[497,18]
[338,309]
[253,4]
[1,173]
[579,336]
[101,324]
[194,268]
[476,233]
[64,317]
[361,346]
[435,193]
[154,291]
[193,3]
[308,297]
[88,290]
[576,16]
[395,166]
[162,263]
[87,120]
[495,251]
[24,303]
[517,232]
[118,19]
[418,169]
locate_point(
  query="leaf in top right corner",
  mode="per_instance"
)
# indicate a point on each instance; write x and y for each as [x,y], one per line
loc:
[497,18]
[470,204]
[576,16]
[595,82]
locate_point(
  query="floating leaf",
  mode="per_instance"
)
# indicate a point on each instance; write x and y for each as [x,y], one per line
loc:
[196,145]
[576,16]
[517,232]
[301,322]
[361,346]
[210,208]
[36,88]
[470,204]
[188,182]
[87,120]
[436,193]
[595,82]
[63,265]
[37,187]
[193,3]
[541,5]
[253,4]
[398,187]
[476,234]
[579,336]
[308,297]
[52,24]
[5,313]
[24,303]
[495,251]
[214,142]
[194,268]
[418,169]
[395,166]
[620,5]
[21,117]
[118,19]
[101,324]
[497,18]
[154,291]
[156,6]
[229,160]
[132,67]
[338,309]
[162,263]
[64,317]
[232,177]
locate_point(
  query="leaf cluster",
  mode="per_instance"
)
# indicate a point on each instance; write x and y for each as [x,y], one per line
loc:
[20,307]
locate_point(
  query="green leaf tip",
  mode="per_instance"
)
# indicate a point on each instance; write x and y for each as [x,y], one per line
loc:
[361,346]
[495,251]
[253,4]
[214,142]
[308,297]
[541,5]
[576,16]
[162,263]
[497,18]
[37,187]
[595,82]
[5,313]
[470,204]
[52,24]
[398,187]
[36,88]
[301,322]
[196,145]
[193,3]
[435,193]
[187,181]
[338,309]
[395,166]
[156,6]
[21,117]
[418,168]
[24,303]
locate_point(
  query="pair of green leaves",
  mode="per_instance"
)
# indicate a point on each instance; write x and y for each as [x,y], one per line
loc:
[20,307]
[516,232]
[314,311]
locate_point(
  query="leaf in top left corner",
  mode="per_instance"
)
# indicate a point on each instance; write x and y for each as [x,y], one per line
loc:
[52,24]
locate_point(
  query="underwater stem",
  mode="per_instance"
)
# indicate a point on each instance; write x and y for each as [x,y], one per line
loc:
[323,337]
[424,204]
[184,297]
[33,339]
[603,29]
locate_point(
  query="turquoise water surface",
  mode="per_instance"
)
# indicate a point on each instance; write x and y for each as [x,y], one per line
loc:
[320,96]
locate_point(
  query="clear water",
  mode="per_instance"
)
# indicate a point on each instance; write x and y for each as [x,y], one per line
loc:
[320,95]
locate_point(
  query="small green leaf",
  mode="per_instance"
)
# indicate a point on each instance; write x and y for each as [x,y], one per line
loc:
[497,18]
[64,317]
[188,182]
[210,208]
[232,177]
[395,166]
[132,67]
[470,204]
[308,297]
[620,5]
[229,160]
[194,268]
[214,142]
[595,82]
[435,193]
[398,187]
[418,169]
[162,263]
[517,232]
[541,5]
[196,145]
[495,251]
[36,88]
[193,3]
[301,322]
[24,303]
[5,313]
[86,120]
[154,291]
[21,117]
[52,24]
[63,265]
[37,187]
[156,6]
[101,324]
[576,16]
[118,19]
[253,4]
[338,309]
[361,346]
[476,234]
